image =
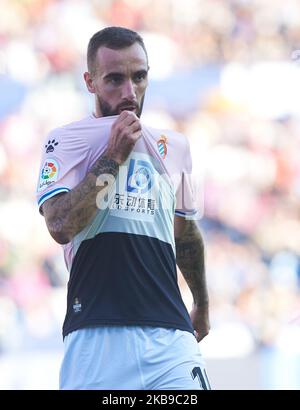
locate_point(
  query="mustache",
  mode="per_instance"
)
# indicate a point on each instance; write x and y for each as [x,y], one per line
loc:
[128,104]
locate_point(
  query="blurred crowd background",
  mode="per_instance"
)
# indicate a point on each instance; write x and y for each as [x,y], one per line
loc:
[222,74]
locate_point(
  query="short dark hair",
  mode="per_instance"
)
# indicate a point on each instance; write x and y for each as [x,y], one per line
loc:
[115,38]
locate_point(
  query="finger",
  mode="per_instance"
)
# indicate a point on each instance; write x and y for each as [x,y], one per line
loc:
[198,335]
[134,127]
[130,123]
[127,127]
[137,135]
[127,118]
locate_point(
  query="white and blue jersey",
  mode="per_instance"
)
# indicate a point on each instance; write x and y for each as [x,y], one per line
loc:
[123,265]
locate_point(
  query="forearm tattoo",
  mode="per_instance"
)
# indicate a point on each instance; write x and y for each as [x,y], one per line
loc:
[190,260]
[72,212]
[105,165]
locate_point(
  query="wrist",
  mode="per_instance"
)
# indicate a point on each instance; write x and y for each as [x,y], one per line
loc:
[112,157]
[111,161]
[105,165]
[203,304]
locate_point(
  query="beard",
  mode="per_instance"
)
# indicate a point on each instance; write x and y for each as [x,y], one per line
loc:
[107,110]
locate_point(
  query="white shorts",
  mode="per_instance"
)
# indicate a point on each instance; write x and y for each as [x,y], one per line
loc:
[132,358]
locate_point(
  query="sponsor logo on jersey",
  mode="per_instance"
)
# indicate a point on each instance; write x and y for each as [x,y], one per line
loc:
[77,306]
[162,146]
[140,176]
[137,189]
[49,174]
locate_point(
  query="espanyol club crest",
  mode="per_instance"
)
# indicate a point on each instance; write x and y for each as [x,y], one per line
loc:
[162,146]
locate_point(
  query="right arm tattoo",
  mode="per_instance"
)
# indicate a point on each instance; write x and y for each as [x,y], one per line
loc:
[67,214]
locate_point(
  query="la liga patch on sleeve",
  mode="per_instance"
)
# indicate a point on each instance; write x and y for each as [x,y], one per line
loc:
[49,174]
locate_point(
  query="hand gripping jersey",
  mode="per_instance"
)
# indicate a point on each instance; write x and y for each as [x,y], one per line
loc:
[122,265]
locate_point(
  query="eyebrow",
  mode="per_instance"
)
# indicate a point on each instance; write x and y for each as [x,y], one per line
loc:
[118,74]
[142,71]
[113,74]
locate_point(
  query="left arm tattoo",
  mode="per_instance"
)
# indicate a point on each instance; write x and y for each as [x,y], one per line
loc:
[190,260]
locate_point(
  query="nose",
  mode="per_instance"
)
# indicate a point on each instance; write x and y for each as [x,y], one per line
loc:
[128,92]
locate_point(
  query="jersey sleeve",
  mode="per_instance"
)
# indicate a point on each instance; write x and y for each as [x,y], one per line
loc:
[188,199]
[63,165]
